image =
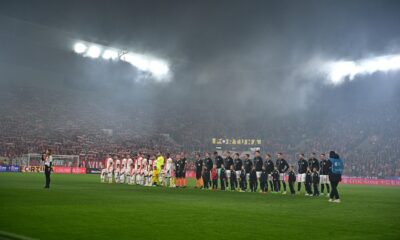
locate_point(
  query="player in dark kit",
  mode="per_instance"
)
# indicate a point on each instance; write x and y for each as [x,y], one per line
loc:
[218,161]
[292,180]
[248,165]
[282,166]
[315,180]
[302,169]
[269,168]
[214,177]
[324,174]
[238,165]
[253,180]
[233,179]
[308,182]
[199,169]
[243,181]
[258,164]
[206,178]
[209,165]
[313,162]
[183,171]
[228,163]
[275,179]
[222,177]
[178,164]
[264,180]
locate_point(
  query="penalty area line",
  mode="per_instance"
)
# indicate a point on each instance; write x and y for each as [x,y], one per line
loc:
[12,236]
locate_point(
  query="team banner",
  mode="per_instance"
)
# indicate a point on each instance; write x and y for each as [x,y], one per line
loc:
[236,141]
[36,169]
[370,181]
[10,168]
[93,170]
[69,170]
[56,169]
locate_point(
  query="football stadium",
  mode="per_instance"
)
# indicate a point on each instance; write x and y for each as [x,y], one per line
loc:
[219,119]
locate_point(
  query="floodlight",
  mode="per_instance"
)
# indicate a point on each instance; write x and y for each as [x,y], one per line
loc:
[80,48]
[93,51]
[158,68]
[110,54]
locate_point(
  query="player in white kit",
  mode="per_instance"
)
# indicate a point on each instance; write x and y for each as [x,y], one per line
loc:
[149,171]
[138,167]
[122,173]
[117,170]
[104,176]
[143,173]
[168,170]
[129,165]
[110,169]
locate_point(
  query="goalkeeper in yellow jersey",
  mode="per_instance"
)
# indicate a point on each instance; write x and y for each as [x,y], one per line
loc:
[155,176]
[159,160]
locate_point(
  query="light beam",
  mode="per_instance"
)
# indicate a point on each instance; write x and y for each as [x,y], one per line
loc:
[339,71]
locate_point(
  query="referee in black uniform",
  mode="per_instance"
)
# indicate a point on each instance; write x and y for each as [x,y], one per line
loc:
[48,163]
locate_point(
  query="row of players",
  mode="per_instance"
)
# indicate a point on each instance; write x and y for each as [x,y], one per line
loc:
[230,172]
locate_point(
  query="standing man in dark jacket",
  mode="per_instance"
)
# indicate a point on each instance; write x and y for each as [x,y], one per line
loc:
[315,180]
[253,180]
[206,178]
[233,179]
[209,165]
[199,169]
[243,181]
[219,161]
[228,163]
[292,180]
[302,169]
[238,165]
[48,165]
[275,179]
[313,162]
[308,182]
[222,177]
[324,174]
[258,162]
[282,166]
[269,168]
[248,165]
[334,177]
[264,180]
[183,170]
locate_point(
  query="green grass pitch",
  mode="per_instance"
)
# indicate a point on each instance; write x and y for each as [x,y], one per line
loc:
[80,207]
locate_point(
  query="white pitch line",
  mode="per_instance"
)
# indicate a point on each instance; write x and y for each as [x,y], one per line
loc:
[12,236]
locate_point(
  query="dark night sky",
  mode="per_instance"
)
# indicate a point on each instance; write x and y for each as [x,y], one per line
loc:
[200,31]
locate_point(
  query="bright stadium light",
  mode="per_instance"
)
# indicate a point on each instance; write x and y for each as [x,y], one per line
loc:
[110,54]
[93,51]
[137,60]
[339,71]
[159,68]
[80,48]
[154,67]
